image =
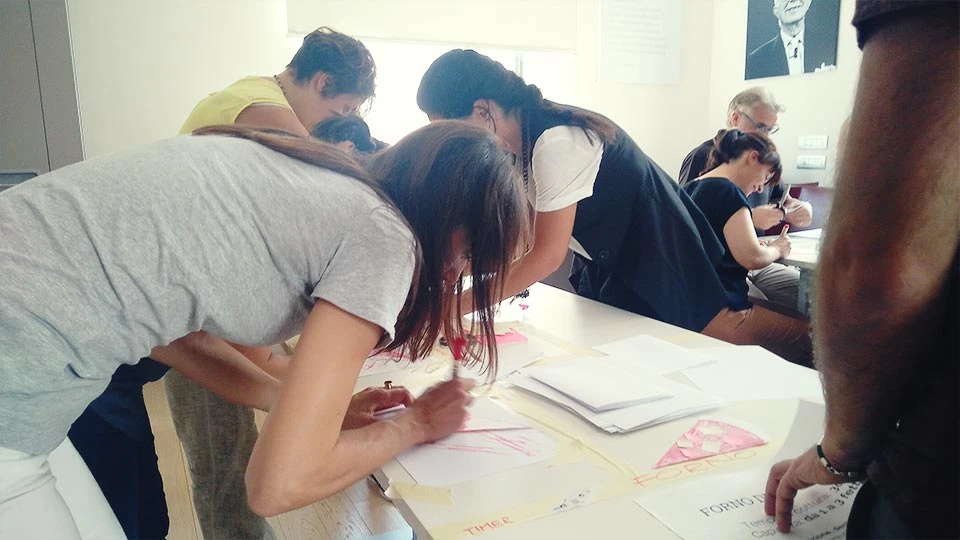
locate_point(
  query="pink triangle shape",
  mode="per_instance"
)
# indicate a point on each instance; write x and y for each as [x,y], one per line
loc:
[708,438]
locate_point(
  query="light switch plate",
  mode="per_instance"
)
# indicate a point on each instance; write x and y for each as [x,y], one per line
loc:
[813,142]
[812,162]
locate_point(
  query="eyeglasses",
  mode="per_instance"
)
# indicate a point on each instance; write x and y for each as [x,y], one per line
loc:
[762,128]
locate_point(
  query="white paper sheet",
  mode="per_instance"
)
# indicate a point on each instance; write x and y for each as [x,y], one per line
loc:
[805,250]
[655,354]
[753,373]
[685,401]
[812,233]
[599,383]
[509,314]
[467,456]
[514,356]
[730,506]
[484,414]
[638,42]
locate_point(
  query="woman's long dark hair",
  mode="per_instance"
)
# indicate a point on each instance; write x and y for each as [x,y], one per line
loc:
[459,78]
[730,144]
[451,176]
[444,177]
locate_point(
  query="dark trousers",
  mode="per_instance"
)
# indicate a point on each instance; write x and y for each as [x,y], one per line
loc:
[591,281]
[114,438]
[872,517]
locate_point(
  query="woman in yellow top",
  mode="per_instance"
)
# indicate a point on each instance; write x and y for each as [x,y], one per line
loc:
[331,75]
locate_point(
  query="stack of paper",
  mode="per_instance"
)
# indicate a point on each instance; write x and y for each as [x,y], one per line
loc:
[599,384]
[594,389]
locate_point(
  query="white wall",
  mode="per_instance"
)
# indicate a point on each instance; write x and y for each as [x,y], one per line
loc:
[817,103]
[666,121]
[141,65]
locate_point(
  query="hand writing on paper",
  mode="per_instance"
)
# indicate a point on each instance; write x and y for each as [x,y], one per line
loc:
[781,242]
[442,409]
[798,213]
[366,402]
[766,216]
[787,478]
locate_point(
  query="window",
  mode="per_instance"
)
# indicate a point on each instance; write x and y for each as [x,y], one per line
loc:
[400,66]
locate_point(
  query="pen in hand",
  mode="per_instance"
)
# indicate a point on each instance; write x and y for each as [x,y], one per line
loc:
[458,348]
[785,196]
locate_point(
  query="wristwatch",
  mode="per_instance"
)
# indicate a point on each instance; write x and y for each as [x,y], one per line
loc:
[846,475]
[783,210]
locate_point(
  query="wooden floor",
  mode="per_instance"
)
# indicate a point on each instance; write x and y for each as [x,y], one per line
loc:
[355,513]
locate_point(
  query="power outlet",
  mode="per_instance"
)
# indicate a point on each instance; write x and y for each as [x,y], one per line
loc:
[813,142]
[812,162]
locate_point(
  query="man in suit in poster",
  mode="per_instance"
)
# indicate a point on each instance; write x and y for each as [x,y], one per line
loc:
[797,48]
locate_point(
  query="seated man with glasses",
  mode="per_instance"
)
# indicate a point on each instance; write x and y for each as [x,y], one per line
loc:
[755,111]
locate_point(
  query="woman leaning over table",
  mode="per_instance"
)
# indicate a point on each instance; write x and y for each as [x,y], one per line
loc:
[175,247]
[640,243]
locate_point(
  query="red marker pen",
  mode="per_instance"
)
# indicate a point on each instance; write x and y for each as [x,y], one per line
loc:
[459,348]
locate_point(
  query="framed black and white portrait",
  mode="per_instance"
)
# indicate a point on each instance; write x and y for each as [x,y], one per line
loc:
[791,37]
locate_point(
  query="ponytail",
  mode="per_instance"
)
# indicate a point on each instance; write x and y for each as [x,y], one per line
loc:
[458,78]
[730,144]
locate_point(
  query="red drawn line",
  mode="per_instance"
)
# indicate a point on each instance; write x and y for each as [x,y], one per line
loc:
[519,446]
[474,449]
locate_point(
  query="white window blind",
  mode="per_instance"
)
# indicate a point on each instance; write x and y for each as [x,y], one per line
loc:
[515,24]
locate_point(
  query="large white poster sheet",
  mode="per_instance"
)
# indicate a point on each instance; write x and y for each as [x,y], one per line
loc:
[730,506]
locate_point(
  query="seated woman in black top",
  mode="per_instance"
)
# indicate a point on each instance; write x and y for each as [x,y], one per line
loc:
[741,164]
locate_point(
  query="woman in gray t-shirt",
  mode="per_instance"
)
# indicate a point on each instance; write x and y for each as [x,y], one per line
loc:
[173,249]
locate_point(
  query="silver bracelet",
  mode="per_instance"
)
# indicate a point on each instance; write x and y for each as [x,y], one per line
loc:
[846,475]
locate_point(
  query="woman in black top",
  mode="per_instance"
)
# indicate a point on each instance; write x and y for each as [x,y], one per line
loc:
[741,164]
[640,243]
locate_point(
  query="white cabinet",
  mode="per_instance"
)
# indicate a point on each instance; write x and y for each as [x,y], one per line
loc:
[39,117]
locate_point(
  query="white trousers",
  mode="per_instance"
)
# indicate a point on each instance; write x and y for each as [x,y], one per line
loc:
[52,497]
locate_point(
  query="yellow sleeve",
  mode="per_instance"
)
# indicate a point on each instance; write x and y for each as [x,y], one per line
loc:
[224,106]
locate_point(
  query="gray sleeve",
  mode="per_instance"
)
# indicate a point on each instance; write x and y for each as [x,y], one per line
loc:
[369,275]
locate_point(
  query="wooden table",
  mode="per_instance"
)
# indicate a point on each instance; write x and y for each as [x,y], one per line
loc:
[604,472]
